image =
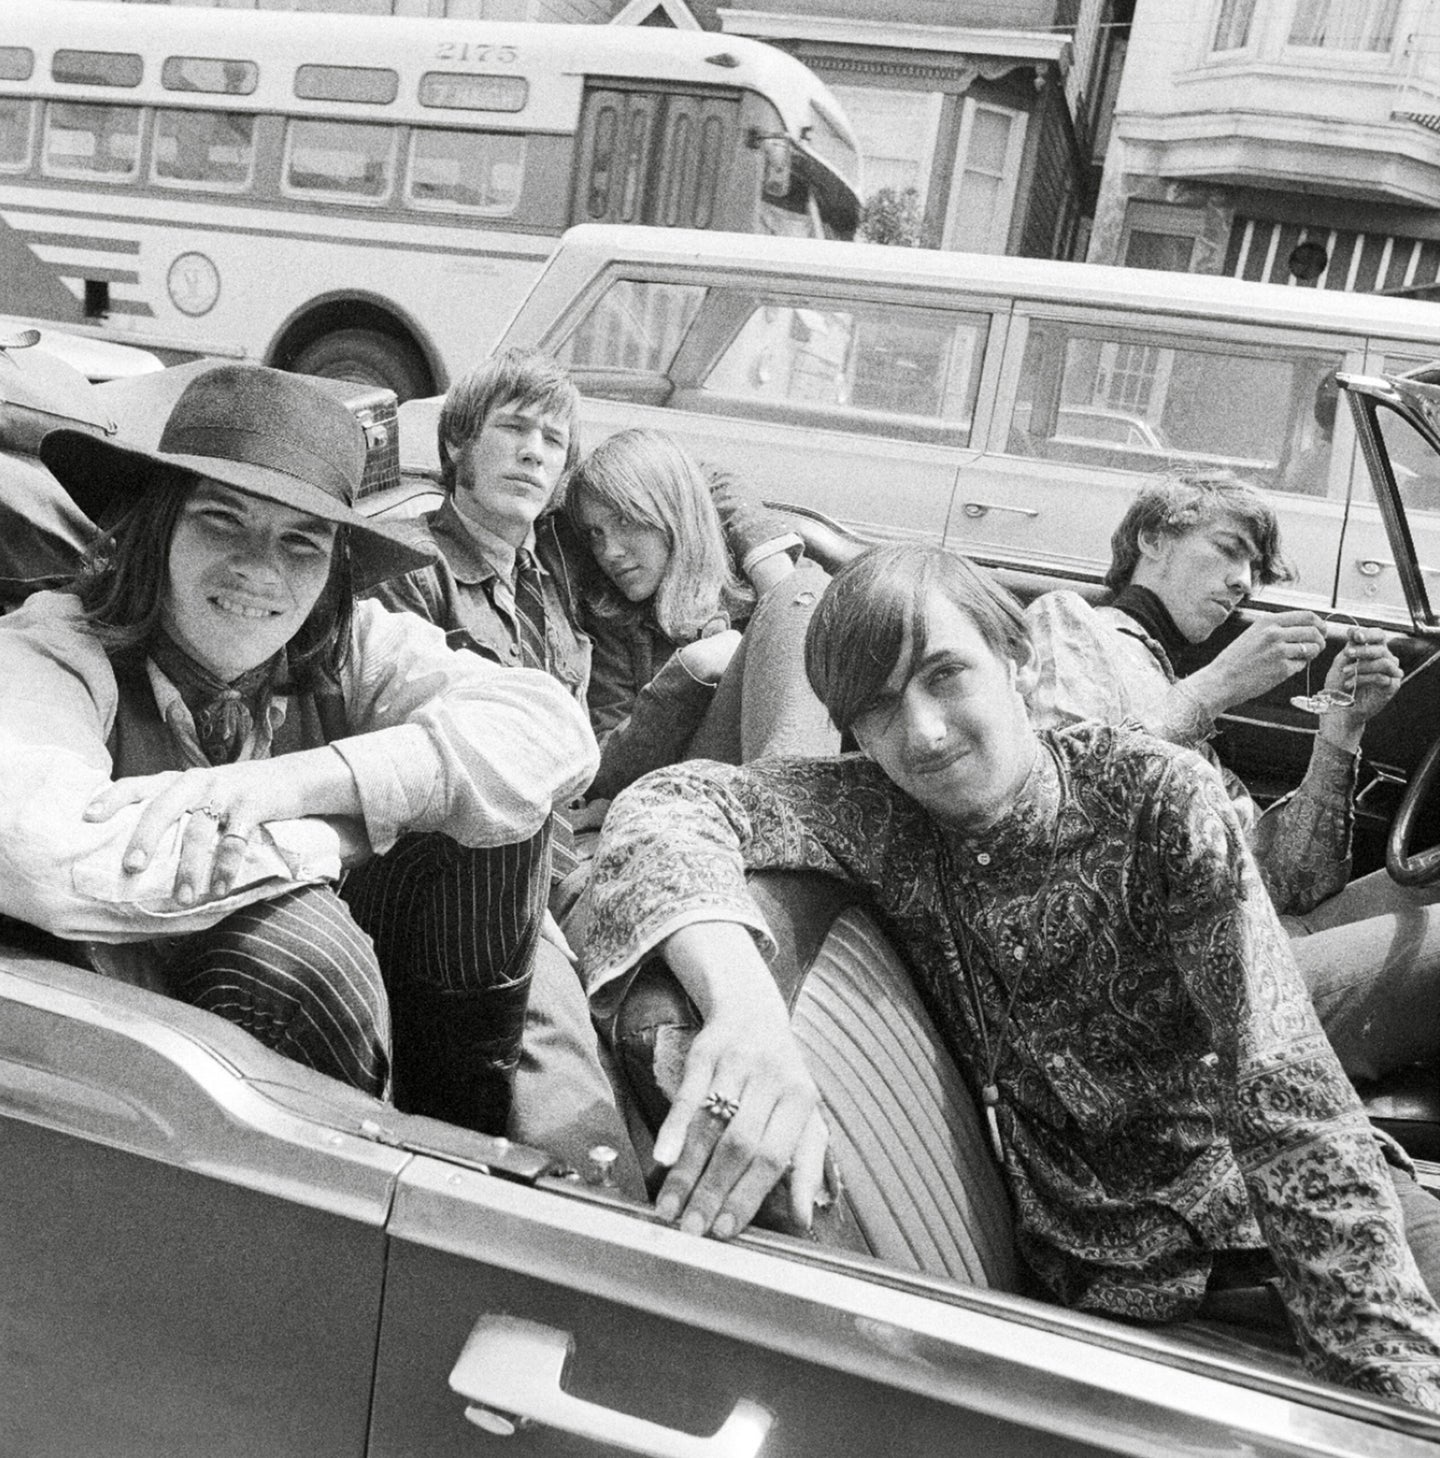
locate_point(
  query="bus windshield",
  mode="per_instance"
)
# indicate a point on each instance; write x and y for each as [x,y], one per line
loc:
[371,197]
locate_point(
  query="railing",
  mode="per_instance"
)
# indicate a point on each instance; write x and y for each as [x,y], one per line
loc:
[1417,96]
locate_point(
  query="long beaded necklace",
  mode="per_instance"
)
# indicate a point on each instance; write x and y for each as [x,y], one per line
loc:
[965,948]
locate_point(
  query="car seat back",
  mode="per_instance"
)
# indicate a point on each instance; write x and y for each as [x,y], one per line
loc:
[918,1184]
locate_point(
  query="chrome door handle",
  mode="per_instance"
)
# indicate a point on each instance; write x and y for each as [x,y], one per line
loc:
[512,1370]
[1374,566]
[981,508]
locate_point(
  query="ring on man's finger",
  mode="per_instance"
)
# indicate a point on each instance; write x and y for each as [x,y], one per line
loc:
[236,835]
[211,811]
[721,1107]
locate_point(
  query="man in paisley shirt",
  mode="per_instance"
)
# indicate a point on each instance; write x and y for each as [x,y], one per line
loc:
[1090,933]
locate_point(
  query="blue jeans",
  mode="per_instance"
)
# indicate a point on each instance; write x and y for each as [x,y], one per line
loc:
[1370,956]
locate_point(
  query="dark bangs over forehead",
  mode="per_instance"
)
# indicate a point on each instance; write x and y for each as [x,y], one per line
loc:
[873,618]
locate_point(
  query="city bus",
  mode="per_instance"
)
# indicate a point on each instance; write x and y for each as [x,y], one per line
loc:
[370,198]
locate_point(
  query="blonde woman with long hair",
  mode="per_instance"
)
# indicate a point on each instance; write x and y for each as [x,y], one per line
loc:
[697,612]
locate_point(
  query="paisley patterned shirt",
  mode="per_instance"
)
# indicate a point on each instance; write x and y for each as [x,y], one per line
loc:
[1165,1088]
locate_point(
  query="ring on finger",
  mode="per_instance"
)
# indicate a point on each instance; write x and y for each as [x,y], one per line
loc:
[720,1107]
[211,811]
[236,835]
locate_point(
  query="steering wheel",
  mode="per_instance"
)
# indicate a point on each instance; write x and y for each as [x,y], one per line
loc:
[1404,868]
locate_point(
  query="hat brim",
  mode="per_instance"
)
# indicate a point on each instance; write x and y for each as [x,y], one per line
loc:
[105,478]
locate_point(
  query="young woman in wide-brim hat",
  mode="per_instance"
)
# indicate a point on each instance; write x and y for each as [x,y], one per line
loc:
[206,728]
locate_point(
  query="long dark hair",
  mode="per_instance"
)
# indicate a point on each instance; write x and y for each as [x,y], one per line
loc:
[647,477]
[122,580]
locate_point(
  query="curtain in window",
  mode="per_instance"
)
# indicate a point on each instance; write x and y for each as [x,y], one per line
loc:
[1345,25]
[1232,30]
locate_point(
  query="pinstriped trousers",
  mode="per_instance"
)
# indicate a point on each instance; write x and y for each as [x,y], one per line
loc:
[297,973]
[445,928]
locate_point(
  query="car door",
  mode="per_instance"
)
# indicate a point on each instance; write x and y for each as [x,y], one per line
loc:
[584,1328]
[187,1267]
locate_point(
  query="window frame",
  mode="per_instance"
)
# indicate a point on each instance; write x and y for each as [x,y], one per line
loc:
[1000,218]
[288,190]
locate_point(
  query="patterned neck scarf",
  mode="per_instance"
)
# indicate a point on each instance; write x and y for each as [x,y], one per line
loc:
[223,712]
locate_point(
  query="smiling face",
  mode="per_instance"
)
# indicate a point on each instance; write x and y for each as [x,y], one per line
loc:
[1202,575]
[243,575]
[951,728]
[632,554]
[507,472]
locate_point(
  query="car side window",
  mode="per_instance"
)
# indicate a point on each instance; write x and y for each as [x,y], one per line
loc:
[864,367]
[1414,463]
[1136,401]
[636,325]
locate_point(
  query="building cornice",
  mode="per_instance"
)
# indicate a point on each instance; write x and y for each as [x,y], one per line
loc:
[1397,163]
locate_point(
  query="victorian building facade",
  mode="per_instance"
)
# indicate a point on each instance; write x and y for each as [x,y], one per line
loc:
[1296,141]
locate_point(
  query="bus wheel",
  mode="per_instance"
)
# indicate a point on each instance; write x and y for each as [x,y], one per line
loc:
[369,357]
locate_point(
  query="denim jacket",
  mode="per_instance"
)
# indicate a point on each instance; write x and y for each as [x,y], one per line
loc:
[457,592]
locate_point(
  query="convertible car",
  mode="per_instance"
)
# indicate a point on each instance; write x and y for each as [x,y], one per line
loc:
[207,1250]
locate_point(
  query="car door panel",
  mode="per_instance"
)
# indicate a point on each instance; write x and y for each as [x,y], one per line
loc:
[678,1330]
[154,1311]
[176,1278]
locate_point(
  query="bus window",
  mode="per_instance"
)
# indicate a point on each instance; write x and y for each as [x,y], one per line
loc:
[347,83]
[697,135]
[200,73]
[17,126]
[864,367]
[1142,403]
[210,150]
[354,160]
[460,92]
[16,63]
[102,142]
[616,141]
[478,172]
[636,326]
[97,68]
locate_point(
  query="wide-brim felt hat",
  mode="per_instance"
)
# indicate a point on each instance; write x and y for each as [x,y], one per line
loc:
[265,432]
